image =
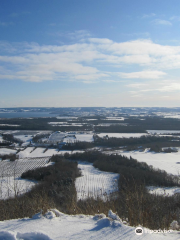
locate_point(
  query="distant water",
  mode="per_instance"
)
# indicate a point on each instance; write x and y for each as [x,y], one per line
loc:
[26,114]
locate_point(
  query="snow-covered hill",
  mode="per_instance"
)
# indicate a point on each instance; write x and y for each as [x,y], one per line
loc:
[55,225]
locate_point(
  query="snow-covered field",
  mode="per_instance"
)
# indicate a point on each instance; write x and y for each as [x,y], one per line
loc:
[91,119]
[39,152]
[170,162]
[4,151]
[66,124]
[10,171]
[57,123]
[163,131]
[85,137]
[115,118]
[172,116]
[121,135]
[25,138]
[1,138]
[10,186]
[166,191]
[55,225]
[17,167]
[25,132]
[71,137]
[10,125]
[67,117]
[110,124]
[95,183]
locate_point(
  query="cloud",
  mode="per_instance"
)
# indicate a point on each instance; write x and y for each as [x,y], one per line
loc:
[161,22]
[137,34]
[77,35]
[175,18]
[94,59]
[155,87]
[101,40]
[144,74]
[170,87]
[149,15]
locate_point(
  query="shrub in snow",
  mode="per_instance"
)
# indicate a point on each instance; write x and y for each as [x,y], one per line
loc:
[174,225]
[113,216]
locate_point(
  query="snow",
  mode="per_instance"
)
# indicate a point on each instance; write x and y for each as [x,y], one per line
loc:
[55,225]
[56,136]
[71,137]
[172,116]
[69,140]
[11,187]
[170,162]
[115,118]
[39,152]
[85,137]
[32,152]
[95,183]
[91,119]
[162,131]
[113,215]
[17,167]
[66,117]
[11,125]
[166,191]
[65,124]
[4,151]
[57,123]
[122,135]
[26,152]
[110,124]
[25,138]
[10,171]
[1,138]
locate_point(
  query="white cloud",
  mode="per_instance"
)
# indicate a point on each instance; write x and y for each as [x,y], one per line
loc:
[175,18]
[143,75]
[101,40]
[149,15]
[171,87]
[162,22]
[94,59]
[158,87]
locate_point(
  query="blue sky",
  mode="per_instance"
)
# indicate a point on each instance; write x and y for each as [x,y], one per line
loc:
[69,53]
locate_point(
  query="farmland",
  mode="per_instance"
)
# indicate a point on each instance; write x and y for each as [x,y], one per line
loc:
[114,152]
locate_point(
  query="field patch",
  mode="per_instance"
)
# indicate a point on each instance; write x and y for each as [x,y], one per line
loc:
[163,161]
[4,151]
[10,171]
[121,135]
[95,183]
